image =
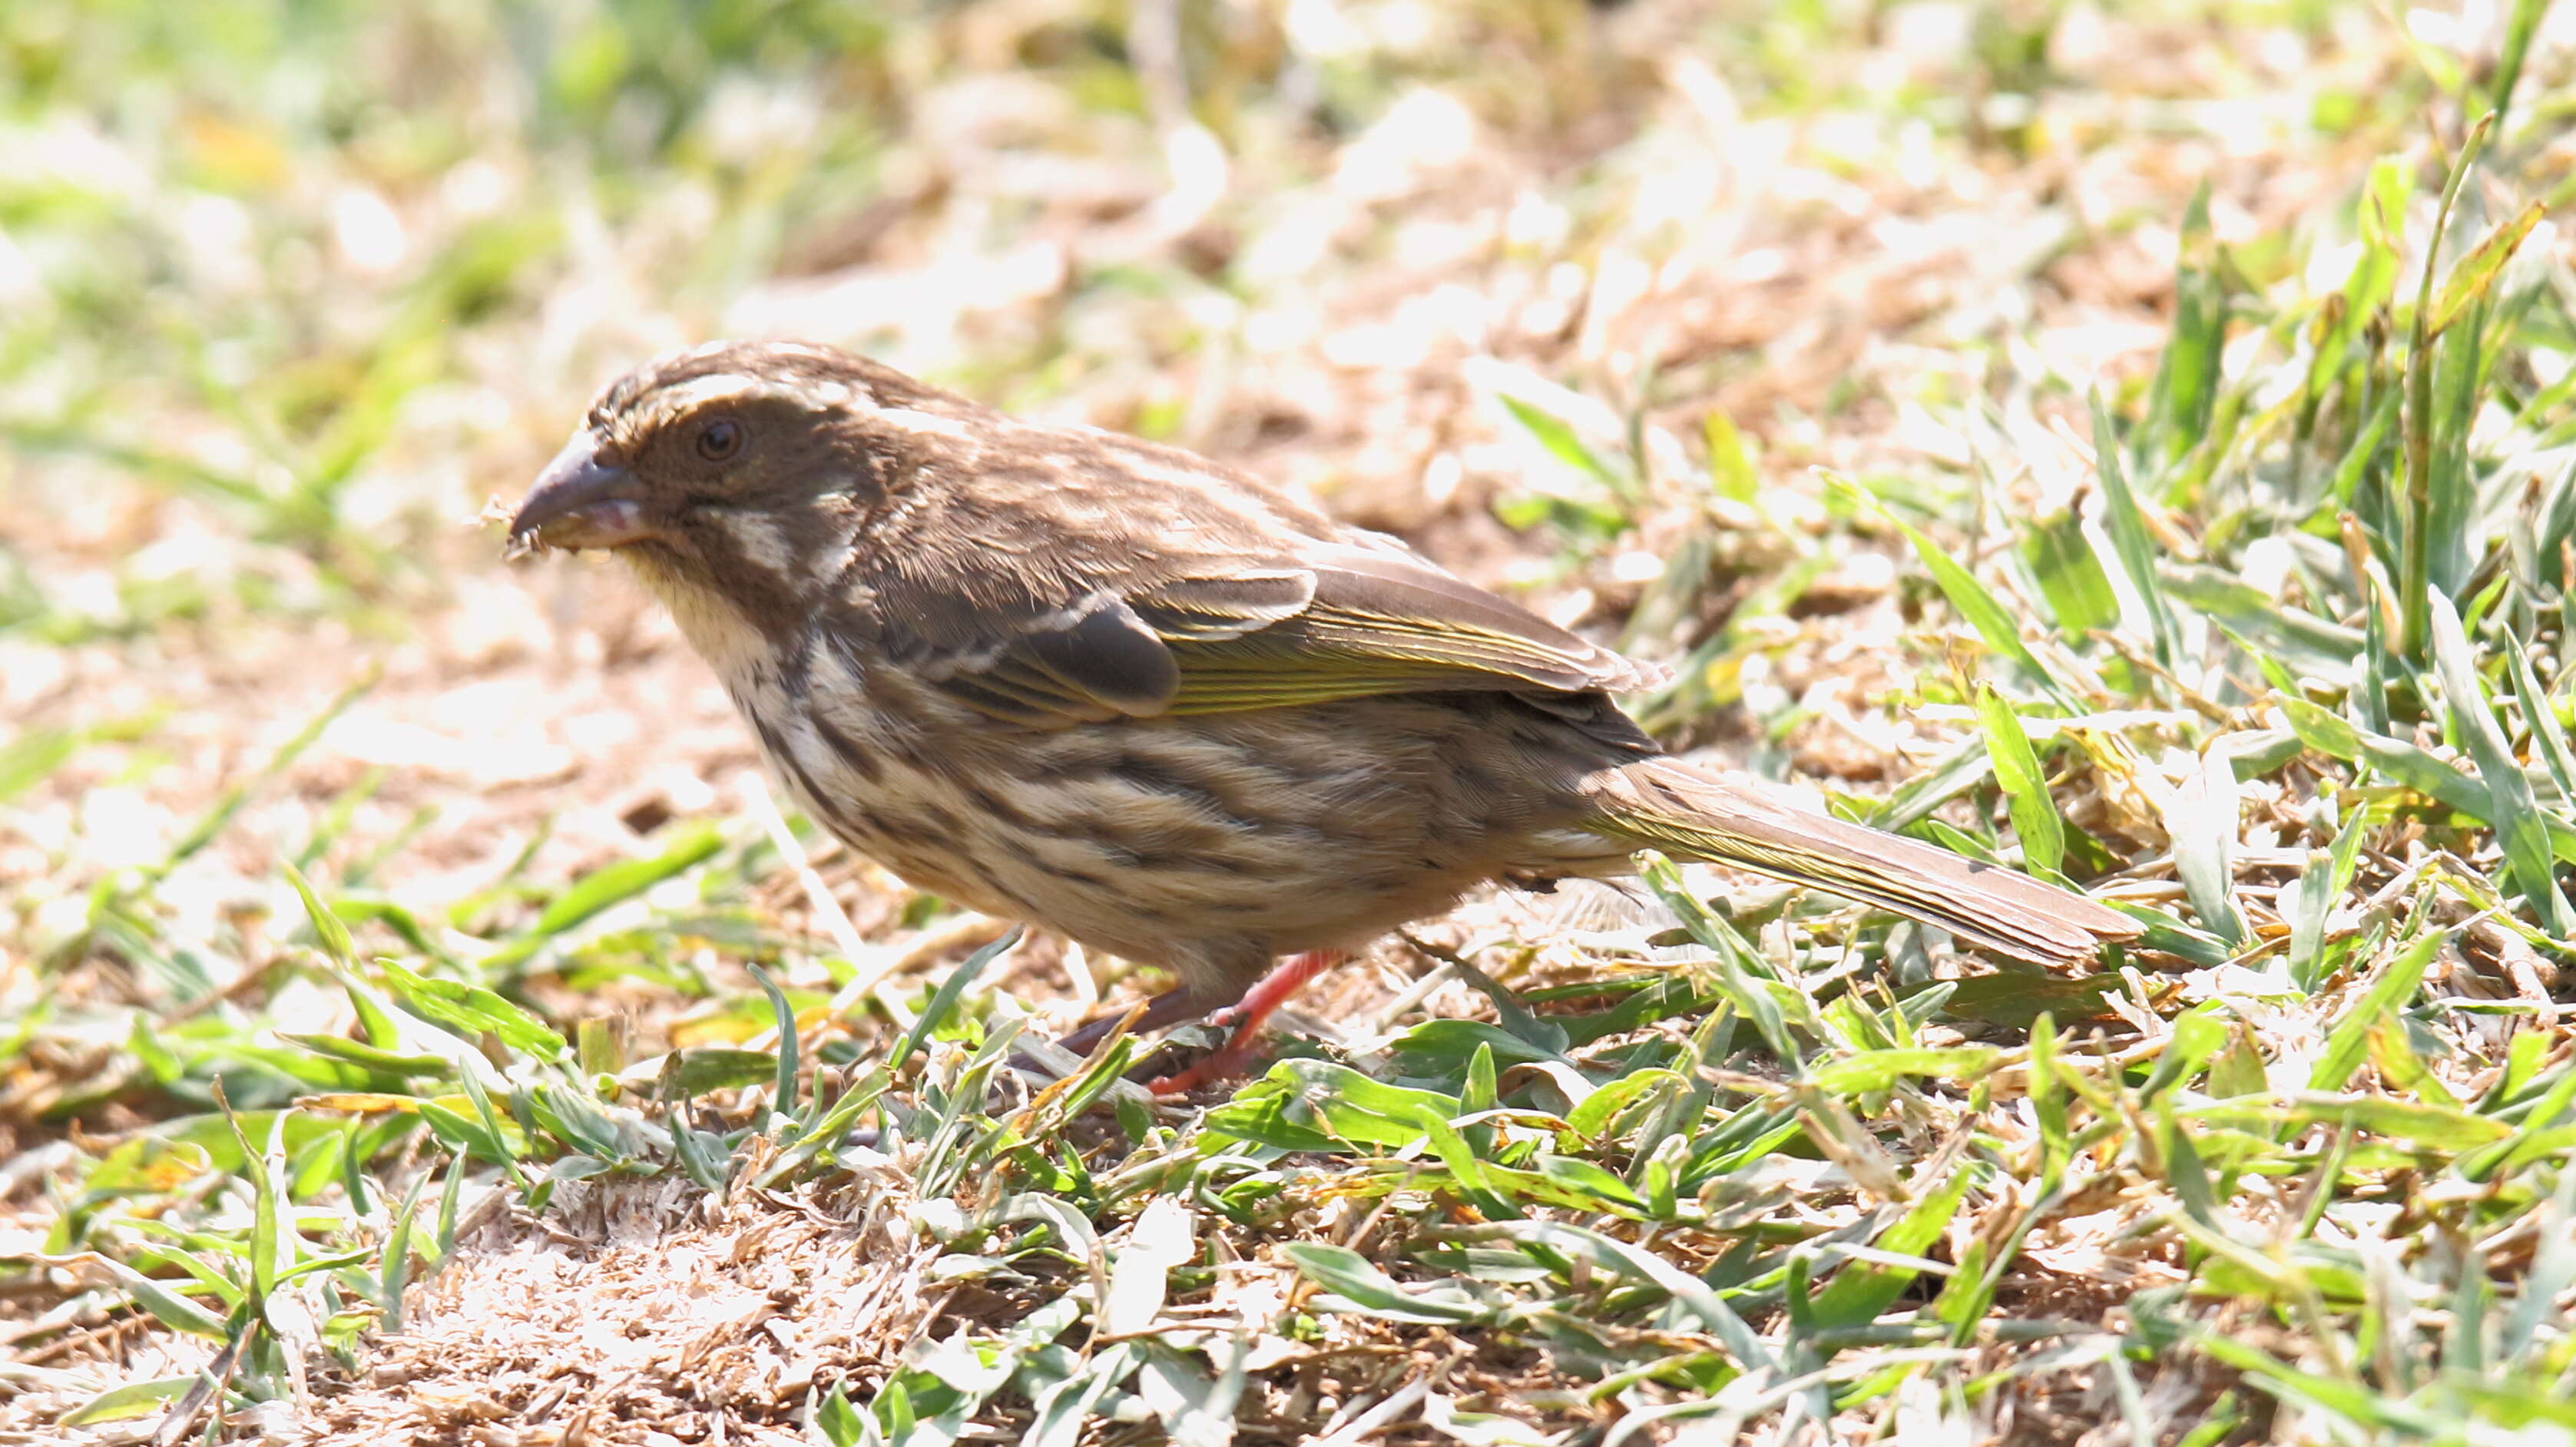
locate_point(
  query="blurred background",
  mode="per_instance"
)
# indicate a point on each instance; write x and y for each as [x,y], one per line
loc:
[288,291]
[1588,299]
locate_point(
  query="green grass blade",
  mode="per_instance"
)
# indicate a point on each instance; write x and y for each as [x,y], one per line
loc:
[474,1010]
[2540,717]
[608,886]
[2024,782]
[2185,389]
[2128,529]
[1745,987]
[2329,874]
[32,756]
[783,1088]
[2069,573]
[2415,578]
[2476,272]
[2203,824]
[943,1001]
[130,1399]
[2518,820]
[327,927]
[1976,603]
[2349,1041]
[2519,28]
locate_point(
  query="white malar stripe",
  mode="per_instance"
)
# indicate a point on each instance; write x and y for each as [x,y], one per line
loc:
[728,642]
[761,539]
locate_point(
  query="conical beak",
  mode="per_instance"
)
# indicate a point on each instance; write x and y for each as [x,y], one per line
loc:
[579,502]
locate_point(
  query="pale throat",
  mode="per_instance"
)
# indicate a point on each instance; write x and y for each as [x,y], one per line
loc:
[718,630]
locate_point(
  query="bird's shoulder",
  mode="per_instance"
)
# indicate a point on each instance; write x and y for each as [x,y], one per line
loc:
[1066,572]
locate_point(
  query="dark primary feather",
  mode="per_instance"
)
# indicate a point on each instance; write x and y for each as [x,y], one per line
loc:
[1346,625]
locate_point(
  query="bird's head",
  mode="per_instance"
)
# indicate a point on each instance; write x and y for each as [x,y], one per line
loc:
[735,460]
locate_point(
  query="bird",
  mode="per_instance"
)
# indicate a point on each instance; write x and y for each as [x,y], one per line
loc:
[1144,700]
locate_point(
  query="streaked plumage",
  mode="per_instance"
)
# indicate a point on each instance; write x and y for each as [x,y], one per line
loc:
[1121,691]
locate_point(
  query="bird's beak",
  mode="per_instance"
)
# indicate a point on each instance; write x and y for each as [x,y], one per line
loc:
[579,502]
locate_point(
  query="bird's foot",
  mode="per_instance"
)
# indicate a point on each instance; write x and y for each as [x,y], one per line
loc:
[1223,1063]
[1247,1016]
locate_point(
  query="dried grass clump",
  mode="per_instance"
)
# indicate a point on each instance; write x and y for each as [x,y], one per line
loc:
[643,1311]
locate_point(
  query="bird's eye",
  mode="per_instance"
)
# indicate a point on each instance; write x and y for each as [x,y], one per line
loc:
[720,439]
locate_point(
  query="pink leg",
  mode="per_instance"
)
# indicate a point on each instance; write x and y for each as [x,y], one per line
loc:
[1246,1016]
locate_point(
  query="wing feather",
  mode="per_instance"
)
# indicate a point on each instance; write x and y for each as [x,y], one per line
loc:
[1344,621]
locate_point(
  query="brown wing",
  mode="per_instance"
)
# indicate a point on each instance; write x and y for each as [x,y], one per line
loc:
[1344,621]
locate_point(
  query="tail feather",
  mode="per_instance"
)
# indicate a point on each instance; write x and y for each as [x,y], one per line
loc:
[1664,804]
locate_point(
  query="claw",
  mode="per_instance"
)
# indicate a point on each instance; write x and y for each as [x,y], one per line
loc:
[1247,1016]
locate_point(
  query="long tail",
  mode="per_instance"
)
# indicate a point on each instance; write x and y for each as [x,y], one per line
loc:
[1667,805]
